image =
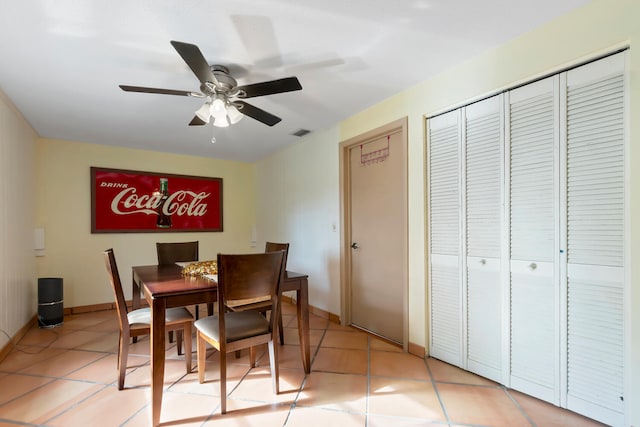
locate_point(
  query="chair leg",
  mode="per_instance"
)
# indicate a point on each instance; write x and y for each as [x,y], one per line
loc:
[280,329]
[275,369]
[179,339]
[119,351]
[197,312]
[187,345]
[238,354]
[252,357]
[123,353]
[170,336]
[223,381]
[201,351]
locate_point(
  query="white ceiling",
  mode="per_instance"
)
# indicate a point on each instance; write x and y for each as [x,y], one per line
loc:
[61,61]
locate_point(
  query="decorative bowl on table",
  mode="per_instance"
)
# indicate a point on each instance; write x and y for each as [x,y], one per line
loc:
[200,268]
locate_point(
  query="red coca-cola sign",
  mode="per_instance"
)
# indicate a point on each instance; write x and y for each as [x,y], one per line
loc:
[131,201]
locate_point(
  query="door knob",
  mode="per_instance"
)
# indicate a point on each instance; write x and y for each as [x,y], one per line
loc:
[354,245]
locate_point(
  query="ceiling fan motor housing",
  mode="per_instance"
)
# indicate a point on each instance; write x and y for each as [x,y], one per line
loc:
[226,83]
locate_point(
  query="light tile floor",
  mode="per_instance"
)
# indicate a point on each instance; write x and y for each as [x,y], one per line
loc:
[66,376]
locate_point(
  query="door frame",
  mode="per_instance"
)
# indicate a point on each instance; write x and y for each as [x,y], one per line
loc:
[399,125]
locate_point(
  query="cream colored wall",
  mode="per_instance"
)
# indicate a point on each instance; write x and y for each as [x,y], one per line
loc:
[17,279]
[297,202]
[599,27]
[64,210]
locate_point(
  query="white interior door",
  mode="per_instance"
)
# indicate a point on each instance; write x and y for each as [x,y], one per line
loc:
[445,302]
[595,239]
[378,236]
[483,139]
[532,132]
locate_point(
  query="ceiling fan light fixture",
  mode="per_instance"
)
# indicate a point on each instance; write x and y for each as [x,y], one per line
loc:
[204,112]
[219,108]
[221,122]
[234,114]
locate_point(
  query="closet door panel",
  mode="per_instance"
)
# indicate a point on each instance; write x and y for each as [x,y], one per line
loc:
[446,325]
[484,325]
[533,328]
[483,159]
[595,239]
[533,216]
[444,238]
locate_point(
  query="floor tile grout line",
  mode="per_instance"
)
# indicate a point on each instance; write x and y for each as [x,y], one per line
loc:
[104,355]
[20,423]
[135,414]
[29,391]
[16,343]
[75,405]
[55,378]
[520,408]
[435,388]
[294,404]
[497,386]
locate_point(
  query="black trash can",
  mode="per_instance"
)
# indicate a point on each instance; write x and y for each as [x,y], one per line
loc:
[50,302]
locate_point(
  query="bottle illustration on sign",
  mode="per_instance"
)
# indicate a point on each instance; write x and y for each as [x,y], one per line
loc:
[164,220]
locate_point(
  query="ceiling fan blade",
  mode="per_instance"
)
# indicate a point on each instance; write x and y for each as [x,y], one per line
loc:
[197,121]
[272,87]
[191,54]
[160,91]
[257,113]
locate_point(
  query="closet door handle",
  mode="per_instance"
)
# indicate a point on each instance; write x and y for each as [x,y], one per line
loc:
[533,266]
[483,261]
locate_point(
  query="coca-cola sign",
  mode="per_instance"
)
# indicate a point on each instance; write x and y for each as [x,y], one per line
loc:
[124,201]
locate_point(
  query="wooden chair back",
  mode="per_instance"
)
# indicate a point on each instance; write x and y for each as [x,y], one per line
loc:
[170,253]
[116,286]
[273,247]
[250,276]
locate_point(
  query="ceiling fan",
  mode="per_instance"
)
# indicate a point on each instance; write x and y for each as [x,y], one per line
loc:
[224,97]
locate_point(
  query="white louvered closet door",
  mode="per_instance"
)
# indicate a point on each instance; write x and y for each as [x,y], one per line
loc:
[532,133]
[444,238]
[483,141]
[595,239]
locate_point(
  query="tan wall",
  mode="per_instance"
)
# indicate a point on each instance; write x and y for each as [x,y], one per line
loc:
[17,201]
[599,27]
[297,202]
[64,208]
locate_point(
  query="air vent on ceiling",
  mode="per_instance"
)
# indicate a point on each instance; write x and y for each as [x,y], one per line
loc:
[301,132]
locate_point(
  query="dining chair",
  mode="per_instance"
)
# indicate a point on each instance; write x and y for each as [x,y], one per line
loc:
[264,304]
[171,252]
[138,322]
[242,277]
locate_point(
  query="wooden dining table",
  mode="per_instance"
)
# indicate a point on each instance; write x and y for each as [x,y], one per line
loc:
[164,287]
